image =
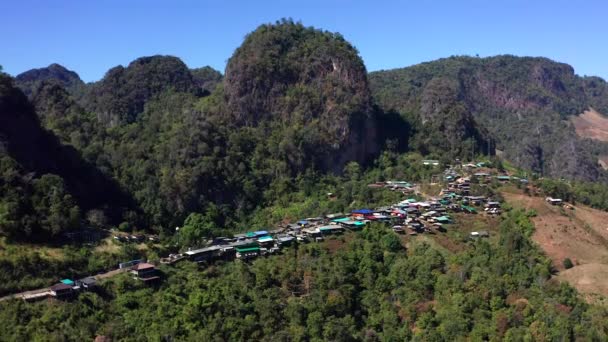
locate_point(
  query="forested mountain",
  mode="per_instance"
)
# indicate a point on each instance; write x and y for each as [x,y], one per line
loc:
[30,80]
[122,93]
[206,78]
[305,82]
[46,187]
[522,102]
[294,100]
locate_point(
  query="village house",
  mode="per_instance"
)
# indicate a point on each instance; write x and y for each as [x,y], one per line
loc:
[87,283]
[285,240]
[331,229]
[145,272]
[492,204]
[475,200]
[312,232]
[61,291]
[554,201]
[266,241]
[480,234]
[362,212]
[247,252]
[353,224]
[334,216]
[398,229]
[205,254]
[503,178]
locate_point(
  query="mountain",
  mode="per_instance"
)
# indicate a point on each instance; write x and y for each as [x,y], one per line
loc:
[46,186]
[28,81]
[522,102]
[294,100]
[206,78]
[309,80]
[122,93]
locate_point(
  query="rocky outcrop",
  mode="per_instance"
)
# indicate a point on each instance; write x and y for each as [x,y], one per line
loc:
[302,76]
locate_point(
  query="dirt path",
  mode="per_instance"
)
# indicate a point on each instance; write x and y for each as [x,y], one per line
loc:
[106,275]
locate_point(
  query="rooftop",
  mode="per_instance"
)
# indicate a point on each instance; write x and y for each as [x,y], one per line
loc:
[60,287]
[143,266]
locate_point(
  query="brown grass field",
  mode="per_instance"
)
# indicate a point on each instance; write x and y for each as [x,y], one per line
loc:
[591,124]
[580,234]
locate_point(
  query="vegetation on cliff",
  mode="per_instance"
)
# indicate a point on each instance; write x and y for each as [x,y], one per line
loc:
[522,103]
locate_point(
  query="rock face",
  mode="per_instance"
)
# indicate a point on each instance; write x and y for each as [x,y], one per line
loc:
[121,95]
[294,75]
[521,102]
[444,115]
[29,80]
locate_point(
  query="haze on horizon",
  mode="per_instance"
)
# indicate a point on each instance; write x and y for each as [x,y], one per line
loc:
[91,37]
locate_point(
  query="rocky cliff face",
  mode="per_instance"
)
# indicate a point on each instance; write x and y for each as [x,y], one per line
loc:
[295,75]
[522,102]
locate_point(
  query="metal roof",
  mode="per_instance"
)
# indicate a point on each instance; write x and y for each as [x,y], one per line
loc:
[203,250]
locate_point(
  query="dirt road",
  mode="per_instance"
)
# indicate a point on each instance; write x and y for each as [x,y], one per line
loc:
[21,295]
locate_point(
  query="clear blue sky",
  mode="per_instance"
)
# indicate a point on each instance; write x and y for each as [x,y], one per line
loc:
[89,37]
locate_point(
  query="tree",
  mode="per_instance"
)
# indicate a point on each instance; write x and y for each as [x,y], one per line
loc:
[198,227]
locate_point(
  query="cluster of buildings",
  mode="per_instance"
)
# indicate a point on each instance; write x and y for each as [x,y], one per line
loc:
[68,288]
[411,216]
[65,289]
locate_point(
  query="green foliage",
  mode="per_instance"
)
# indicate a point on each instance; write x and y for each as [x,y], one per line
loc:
[121,95]
[594,194]
[567,263]
[515,104]
[206,78]
[35,209]
[372,289]
[198,228]
[26,267]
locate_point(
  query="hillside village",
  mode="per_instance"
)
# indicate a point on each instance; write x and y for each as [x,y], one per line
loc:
[416,214]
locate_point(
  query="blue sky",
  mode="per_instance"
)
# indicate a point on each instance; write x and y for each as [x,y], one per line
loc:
[90,37]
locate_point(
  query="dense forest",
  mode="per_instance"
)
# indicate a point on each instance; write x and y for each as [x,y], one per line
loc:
[521,102]
[372,289]
[295,127]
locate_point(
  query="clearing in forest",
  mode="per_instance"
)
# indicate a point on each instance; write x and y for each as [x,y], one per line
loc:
[591,124]
[580,234]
